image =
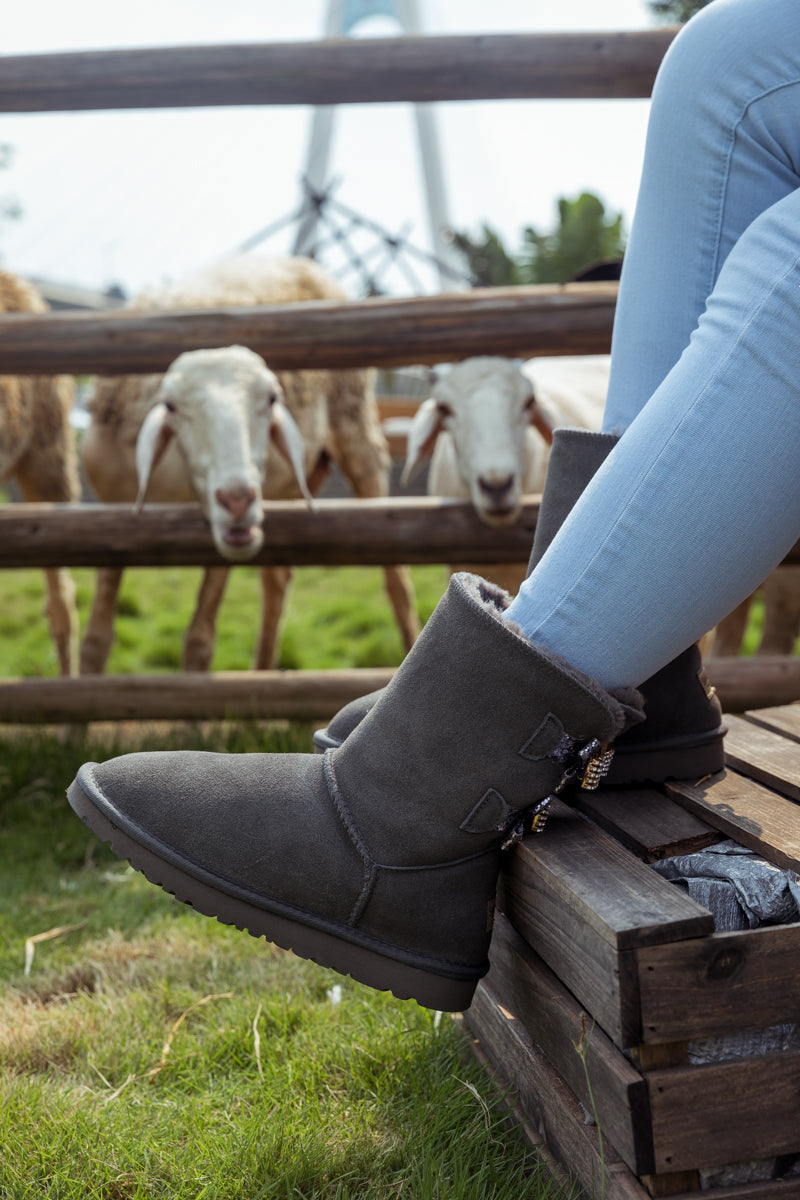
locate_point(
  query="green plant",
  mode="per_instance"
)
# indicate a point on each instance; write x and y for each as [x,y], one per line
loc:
[148,1052]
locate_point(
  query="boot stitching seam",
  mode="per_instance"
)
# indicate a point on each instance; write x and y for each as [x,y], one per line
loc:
[370,872]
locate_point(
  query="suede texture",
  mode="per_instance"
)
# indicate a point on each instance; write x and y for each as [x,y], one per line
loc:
[469,720]
[575,457]
[393,838]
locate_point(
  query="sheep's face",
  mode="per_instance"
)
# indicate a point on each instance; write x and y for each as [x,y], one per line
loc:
[484,407]
[222,406]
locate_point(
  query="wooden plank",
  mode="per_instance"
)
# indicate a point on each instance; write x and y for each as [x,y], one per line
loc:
[619,898]
[783,719]
[554,1020]
[707,1116]
[583,902]
[550,1106]
[262,695]
[744,810]
[768,1189]
[402,529]
[551,1171]
[646,821]
[762,755]
[648,1058]
[744,683]
[724,983]
[341,71]
[522,322]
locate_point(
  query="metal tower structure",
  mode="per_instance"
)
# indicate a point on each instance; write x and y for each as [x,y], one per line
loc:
[343,16]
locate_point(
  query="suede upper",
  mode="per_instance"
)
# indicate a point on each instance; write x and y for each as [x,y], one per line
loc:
[395,836]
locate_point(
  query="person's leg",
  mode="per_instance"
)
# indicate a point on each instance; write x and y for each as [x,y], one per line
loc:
[723,145]
[700,499]
[720,178]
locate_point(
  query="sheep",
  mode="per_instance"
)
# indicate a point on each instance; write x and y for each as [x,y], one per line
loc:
[321,416]
[37,449]
[488,427]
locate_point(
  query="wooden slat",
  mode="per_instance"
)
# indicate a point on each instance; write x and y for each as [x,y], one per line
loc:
[266,695]
[646,821]
[341,71]
[744,810]
[513,321]
[707,1116]
[550,1106]
[764,756]
[783,719]
[423,529]
[724,983]
[768,1189]
[583,902]
[524,986]
[625,903]
[648,1058]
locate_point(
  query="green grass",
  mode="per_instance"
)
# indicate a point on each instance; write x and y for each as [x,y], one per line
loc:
[335,617]
[268,1087]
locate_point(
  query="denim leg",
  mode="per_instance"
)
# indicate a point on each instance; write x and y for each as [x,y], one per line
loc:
[700,499]
[723,145]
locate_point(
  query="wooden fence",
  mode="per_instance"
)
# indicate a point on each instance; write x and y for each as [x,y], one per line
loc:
[519,322]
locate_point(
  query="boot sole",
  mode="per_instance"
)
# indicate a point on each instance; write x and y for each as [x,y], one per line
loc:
[361,962]
[680,758]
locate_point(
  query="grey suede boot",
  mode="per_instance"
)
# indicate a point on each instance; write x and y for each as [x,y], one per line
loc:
[379,859]
[682,736]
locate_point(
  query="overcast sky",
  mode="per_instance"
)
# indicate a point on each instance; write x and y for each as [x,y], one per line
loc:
[136,198]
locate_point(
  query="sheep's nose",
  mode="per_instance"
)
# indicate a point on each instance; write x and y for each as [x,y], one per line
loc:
[496,490]
[235,501]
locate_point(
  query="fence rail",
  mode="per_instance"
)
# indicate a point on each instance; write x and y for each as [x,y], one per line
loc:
[421,530]
[336,533]
[513,322]
[742,683]
[362,71]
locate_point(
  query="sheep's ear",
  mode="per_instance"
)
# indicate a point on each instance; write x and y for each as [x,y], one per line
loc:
[151,443]
[289,441]
[422,434]
[539,421]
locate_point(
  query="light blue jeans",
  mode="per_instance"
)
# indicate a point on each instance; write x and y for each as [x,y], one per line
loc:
[700,499]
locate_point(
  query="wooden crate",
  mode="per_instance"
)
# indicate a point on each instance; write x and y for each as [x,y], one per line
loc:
[595,950]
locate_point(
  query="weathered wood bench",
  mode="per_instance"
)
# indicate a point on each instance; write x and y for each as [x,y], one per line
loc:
[595,950]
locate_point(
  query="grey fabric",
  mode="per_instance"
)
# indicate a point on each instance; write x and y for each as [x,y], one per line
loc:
[742,890]
[394,838]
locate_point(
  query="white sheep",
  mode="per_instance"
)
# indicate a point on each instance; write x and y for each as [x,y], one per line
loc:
[219,427]
[488,426]
[37,449]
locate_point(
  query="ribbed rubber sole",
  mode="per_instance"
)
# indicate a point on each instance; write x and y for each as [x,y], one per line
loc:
[361,962]
[691,757]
